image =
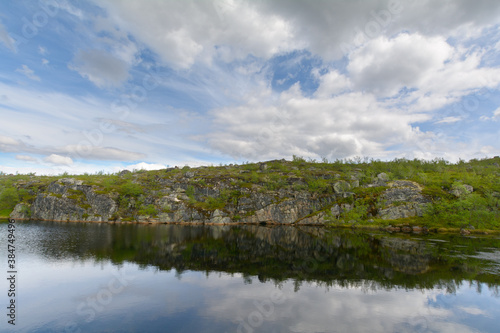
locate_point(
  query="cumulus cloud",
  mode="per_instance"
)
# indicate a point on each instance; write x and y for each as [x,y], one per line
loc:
[58,160]
[28,72]
[384,66]
[351,124]
[332,83]
[182,33]
[185,32]
[100,67]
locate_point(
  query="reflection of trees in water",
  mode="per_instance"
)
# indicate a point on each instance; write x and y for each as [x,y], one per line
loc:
[331,258]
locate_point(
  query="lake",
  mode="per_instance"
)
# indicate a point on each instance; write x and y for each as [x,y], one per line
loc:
[99,277]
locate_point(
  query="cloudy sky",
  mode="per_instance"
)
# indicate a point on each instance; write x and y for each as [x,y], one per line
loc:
[106,85]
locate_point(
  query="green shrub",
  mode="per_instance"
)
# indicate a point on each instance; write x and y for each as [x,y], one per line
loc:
[130,189]
[190,192]
[148,210]
[9,198]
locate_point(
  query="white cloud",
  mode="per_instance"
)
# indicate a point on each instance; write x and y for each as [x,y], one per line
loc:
[384,66]
[28,72]
[26,158]
[352,124]
[45,62]
[144,166]
[448,120]
[473,311]
[496,113]
[42,50]
[58,160]
[9,144]
[91,152]
[331,84]
[185,32]
[5,38]
[100,67]
[73,134]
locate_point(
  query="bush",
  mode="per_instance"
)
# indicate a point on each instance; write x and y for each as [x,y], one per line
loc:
[148,210]
[472,209]
[130,189]
[9,198]
[190,192]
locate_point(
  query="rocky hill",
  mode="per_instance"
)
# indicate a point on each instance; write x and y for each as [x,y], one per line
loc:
[279,192]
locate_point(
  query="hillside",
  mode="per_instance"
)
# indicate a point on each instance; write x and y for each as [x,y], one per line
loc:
[429,194]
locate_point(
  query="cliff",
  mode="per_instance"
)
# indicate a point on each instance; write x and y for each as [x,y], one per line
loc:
[279,192]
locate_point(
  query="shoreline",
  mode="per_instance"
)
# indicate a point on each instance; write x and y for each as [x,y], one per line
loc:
[398,229]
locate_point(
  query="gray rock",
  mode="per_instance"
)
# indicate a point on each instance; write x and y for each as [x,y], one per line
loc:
[219,217]
[22,211]
[383,177]
[70,181]
[402,199]
[341,186]
[402,211]
[59,203]
[459,190]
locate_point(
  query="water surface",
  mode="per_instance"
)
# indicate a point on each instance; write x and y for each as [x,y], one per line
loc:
[89,277]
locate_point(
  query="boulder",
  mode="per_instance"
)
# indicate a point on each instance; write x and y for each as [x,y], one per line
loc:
[341,187]
[403,199]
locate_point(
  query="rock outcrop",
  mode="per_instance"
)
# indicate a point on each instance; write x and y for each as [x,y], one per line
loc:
[401,200]
[68,200]
[181,198]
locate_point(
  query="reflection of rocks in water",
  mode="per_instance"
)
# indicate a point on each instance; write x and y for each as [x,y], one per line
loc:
[301,253]
[407,256]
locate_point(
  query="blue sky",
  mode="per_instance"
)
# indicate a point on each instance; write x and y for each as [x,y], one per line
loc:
[107,85]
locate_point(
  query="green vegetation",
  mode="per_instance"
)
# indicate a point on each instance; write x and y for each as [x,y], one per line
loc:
[445,185]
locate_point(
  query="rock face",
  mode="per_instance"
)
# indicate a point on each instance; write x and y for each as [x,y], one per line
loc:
[68,200]
[176,200]
[402,199]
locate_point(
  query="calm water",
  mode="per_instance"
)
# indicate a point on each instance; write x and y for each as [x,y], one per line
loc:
[84,277]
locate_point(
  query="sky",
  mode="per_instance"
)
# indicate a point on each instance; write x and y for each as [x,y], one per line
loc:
[88,86]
